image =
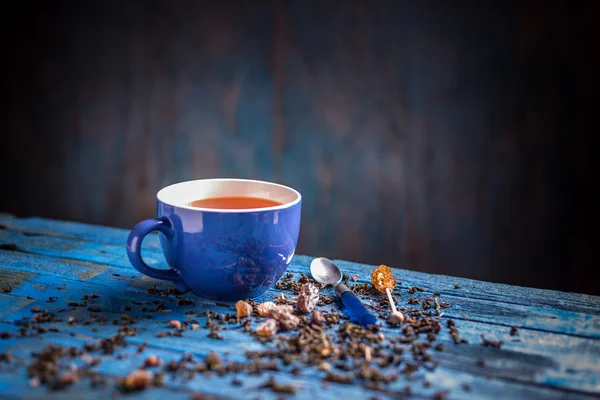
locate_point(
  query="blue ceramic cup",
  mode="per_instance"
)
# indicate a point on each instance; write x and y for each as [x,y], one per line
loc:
[221,254]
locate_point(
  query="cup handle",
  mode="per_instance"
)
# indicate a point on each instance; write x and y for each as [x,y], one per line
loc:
[134,246]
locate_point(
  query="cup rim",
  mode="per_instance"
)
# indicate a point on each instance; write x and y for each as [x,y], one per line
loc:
[231,210]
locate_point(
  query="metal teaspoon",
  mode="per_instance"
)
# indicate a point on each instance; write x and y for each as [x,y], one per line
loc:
[325,271]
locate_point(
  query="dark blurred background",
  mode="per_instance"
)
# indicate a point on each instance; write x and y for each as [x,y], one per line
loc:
[443,136]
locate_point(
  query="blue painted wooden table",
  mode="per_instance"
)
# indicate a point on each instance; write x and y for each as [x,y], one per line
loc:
[70,285]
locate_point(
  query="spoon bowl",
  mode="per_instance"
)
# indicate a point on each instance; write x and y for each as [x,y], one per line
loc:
[325,271]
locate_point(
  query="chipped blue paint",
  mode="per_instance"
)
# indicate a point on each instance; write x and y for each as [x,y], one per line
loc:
[11,304]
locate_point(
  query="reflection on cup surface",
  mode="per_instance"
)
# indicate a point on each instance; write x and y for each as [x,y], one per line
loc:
[223,254]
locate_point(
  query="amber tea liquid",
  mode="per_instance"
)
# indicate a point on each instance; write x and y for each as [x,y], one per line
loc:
[233,203]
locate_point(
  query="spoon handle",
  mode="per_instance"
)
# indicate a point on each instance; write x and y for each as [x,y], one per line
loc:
[355,308]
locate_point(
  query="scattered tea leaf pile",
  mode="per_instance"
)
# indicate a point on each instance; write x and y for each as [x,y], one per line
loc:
[302,333]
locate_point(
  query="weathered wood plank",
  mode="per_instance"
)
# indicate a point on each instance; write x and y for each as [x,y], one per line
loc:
[15,385]
[12,304]
[544,358]
[113,253]
[40,226]
[67,266]
[548,367]
[487,290]
[106,254]
[442,378]
[491,312]
[12,279]
[308,385]
[113,302]
[31,263]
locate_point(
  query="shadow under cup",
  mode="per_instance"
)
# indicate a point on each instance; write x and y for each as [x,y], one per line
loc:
[225,254]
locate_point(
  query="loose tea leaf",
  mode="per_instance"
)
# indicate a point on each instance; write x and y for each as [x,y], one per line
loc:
[363,289]
[454,333]
[278,387]
[439,395]
[325,299]
[213,361]
[338,378]
[319,340]
[317,318]
[285,283]
[438,311]
[414,289]
[491,343]
[66,379]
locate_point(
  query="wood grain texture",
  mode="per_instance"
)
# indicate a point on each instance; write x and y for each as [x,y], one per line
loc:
[500,313]
[97,244]
[432,135]
[536,354]
[446,379]
[555,354]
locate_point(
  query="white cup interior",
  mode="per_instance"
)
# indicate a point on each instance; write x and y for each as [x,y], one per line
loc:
[183,193]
